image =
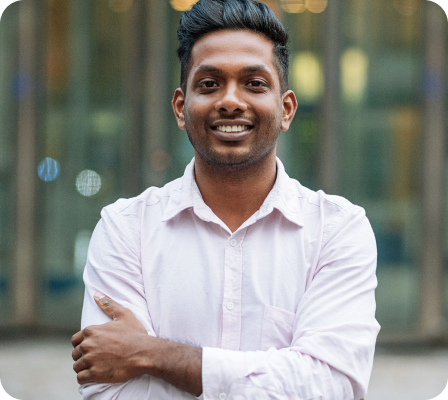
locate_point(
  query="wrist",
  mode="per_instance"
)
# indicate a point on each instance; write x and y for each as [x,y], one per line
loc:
[175,363]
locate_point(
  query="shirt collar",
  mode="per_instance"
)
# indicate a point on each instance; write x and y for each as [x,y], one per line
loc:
[282,197]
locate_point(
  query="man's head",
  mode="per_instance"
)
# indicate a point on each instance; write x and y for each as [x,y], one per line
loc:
[208,16]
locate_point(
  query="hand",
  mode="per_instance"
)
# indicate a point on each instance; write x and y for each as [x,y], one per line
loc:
[112,352]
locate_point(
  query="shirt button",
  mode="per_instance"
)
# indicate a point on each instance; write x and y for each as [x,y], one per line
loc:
[233,243]
[230,306]
[222,396]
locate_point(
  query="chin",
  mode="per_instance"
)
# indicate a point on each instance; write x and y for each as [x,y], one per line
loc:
[232,161]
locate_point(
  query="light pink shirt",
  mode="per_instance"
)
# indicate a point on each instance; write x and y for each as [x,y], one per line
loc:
[283,307]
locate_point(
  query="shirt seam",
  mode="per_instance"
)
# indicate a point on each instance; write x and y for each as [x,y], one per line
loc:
[133,246]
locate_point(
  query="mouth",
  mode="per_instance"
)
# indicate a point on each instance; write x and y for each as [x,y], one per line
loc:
[232,132]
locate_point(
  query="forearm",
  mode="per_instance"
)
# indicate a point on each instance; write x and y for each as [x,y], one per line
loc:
[284,373]
[178,364]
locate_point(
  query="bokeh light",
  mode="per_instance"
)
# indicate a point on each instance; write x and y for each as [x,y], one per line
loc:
[88,182]
[120,6]
[299,6]
[406,7]
[48,169]
[354,73]
[82,241]
[307,77]
[182,5]
[293,6]
[316,6]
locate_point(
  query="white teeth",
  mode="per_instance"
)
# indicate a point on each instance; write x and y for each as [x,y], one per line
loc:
[232,128]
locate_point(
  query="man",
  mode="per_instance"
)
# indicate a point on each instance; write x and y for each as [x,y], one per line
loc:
[234,281]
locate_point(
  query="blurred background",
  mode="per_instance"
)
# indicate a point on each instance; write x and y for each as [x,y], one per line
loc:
[85,118]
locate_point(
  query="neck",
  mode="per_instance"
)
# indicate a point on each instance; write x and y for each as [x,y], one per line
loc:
[232,195]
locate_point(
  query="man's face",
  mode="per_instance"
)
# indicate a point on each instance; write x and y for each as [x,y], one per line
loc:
[233,109]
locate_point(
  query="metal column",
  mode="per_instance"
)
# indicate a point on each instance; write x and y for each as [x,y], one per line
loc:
[25,255]
[433,170]
[158,92]
[329,168]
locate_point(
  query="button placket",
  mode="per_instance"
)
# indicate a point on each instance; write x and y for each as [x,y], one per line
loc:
[231,323]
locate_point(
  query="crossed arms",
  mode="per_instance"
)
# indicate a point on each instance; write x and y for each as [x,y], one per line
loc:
[329,357]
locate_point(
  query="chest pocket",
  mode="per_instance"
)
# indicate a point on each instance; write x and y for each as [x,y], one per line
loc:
[277,328]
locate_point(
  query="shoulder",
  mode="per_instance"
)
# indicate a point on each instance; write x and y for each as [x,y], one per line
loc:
[152,199]
[125,217]
[311,201]
[331,212]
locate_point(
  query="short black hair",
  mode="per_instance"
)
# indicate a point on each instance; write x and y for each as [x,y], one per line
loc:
[213,15]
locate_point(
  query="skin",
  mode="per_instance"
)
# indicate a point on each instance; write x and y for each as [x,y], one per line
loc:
[234,177]
[233,81]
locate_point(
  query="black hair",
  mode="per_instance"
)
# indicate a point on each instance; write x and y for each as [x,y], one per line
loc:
[213,15]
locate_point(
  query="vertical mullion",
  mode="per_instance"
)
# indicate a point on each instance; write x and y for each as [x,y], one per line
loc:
[134,58]
[329,166]
[433,168]
[157,87]
[25,251]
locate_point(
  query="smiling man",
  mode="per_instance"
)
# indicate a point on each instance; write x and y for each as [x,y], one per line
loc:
[234,281]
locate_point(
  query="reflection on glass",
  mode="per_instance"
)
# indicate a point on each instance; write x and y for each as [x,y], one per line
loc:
[182,5]
[406,7]
[299,6]
[316,6]
[354,72]
[82,241]
[48,169]
[105,123]
[88,182]
[307,76]
[120,6]
[20,85]
[293,6]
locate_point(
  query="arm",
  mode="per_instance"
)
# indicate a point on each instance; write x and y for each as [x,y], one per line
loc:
[334,335]
[114,268]
[334,331]
[124,342]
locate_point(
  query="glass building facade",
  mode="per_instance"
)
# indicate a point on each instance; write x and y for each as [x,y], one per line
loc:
[85,117]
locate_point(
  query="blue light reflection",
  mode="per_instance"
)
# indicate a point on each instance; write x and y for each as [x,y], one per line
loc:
[48,169]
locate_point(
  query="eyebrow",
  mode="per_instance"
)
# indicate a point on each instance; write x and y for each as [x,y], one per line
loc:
[245,70]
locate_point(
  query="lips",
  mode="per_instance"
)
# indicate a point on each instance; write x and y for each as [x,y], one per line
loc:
[232,132]
[232,128]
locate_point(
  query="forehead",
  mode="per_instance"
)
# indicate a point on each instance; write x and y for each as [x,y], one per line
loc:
[233,49]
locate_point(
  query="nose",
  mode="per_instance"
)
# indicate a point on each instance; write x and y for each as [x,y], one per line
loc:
[231,100]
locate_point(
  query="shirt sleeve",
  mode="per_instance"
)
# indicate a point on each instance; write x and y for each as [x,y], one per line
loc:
[334,332]
[113,268]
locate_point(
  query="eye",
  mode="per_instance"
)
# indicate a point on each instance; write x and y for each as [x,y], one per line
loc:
[257,84]
[208,84]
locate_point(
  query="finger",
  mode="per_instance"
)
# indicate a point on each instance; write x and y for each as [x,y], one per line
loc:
[80,365]
[76,354]
[84,377]
[109,306]
[77,338]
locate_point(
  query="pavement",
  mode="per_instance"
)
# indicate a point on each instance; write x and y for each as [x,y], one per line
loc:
[41,369]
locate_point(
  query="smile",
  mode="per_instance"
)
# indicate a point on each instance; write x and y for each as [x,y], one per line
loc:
[232,128]
[232,133]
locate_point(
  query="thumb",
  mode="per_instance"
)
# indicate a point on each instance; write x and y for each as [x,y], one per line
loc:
[109,306]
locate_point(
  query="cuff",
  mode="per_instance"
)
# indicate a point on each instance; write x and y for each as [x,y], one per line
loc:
[220,369]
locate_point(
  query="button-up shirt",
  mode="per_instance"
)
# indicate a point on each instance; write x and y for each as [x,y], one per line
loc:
[283,307]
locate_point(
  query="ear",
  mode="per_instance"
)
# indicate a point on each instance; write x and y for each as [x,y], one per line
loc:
[289,109]
[178,107]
